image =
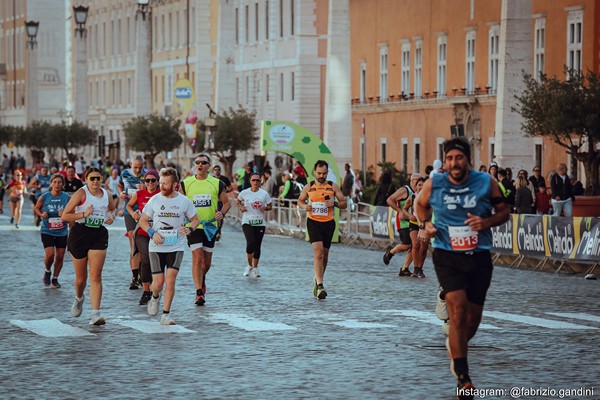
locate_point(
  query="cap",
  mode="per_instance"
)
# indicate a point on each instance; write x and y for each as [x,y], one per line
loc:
[152,172]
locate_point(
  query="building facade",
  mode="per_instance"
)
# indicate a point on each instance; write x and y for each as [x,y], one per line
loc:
[425,69]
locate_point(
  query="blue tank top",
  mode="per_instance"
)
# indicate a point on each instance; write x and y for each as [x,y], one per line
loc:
[44,182]
[451,203]
[53,225]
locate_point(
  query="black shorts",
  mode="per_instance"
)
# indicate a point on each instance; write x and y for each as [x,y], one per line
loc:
[83,238]
[129,222]
[470,271]
[412,228]
[60,242]
[320,231]
[160,261]
[405,236]
[199,240]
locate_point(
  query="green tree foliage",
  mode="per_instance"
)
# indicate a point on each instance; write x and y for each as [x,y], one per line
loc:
[152,134]
[236,131]
[568,113]
[399,179]
[70,137]
[8,134]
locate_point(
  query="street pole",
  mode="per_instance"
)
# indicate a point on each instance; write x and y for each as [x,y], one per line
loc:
[81,85]
[32,66]
[363,158]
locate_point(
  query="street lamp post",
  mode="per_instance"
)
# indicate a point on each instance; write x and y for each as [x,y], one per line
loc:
[143,77]
[31,28]
[81,85]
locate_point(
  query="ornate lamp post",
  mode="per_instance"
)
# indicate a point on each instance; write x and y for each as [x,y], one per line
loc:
[32,112]
[81,84]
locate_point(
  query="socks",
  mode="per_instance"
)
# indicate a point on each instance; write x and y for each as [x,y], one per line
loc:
[166,312]
[461,368]
[199,292]
[135,273]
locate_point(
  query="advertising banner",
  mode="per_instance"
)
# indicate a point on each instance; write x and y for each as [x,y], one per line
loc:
[381,227]
[186,108]
[560,237]
[502,237]
[587,237]
[530,235]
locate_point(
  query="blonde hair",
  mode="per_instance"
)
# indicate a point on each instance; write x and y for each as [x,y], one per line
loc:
[172,172]
[522,182]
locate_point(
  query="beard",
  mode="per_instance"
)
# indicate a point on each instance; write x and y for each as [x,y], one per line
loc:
[321,180]
[458,174]
[166,192]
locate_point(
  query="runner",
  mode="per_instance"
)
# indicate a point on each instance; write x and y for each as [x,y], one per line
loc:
[39,184]
[168,212]
[321,195]
[112,184]
[228,188]
[72,182]
[253,202]
[419,249]
[17,189]
[141,238]
[54,231]
[396,201]
[91,208]
[130,182]
[204,191]
[465,204]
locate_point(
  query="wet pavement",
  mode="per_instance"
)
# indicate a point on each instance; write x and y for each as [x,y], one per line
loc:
[375,336]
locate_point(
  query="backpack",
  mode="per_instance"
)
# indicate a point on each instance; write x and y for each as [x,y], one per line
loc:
[295,190]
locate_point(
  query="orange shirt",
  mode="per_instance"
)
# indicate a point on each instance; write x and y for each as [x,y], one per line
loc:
[17,189]
[317,194]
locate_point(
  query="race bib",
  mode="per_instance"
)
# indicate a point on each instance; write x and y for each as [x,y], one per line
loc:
[169,236]
[18,192]
[202,200]
[318,208]
[256,221]
[131,191]
[55,223]
[462,238]
[95,219]
[45,190]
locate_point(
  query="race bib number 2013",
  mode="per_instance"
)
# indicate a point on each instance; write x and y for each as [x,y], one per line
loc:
[463,238]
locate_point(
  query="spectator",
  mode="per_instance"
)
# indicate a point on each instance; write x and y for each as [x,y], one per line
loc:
[577,187]
[493,170]
[542,199]
[536,179]
[385,189]
[506,187]
[562,192]
[437,168]
[357,188]
[348,186]
[482,168]
[20,161]
[523,196]
[301,172]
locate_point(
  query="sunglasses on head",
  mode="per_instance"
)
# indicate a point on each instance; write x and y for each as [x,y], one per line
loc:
[94,178]
[201,162]
[151,180]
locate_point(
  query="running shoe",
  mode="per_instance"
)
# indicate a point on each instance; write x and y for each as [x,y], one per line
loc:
[200,300]
[146,296]
[321,293]
[420,273]
[153,305]
[254,273]
[12,220]
[55,284]
[134,284]
[77,307]
[388,256]
[166,320]
[46,279]
[465,390]
[315,290]
[440,309]
[257,273]
[404,272]
[247,270]
[446,327]
[17,226]
[97,320]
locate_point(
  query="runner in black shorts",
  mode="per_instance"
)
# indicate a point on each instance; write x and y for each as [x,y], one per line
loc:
[464,205]
[320,231]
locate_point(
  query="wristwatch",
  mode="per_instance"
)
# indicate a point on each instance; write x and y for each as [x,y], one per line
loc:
[191,229]
[422,224]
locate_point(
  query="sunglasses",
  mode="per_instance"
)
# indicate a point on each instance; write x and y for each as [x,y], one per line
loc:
[201,162]
[255,180]
[536,170]
[152,180]
[94,178]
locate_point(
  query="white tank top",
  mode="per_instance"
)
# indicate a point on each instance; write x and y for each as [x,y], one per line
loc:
[113,185]
[100,204]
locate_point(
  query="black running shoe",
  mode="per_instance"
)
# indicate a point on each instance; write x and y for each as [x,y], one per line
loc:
[46,279]
[145,298]
[55,284]
[134,284]
[388,256]
[465,391]
[404,272]
[12,219]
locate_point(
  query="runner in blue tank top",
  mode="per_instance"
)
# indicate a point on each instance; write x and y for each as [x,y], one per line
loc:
[457,209]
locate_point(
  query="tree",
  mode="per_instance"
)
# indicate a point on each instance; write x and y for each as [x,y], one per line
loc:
[567,112]
[70,137]
[152,134]
[35,137]
[236,131]
[7,134]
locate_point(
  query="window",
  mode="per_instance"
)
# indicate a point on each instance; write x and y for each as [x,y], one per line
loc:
[246,24]
[267,88]
[439,154]
[163,32]
[405,155]
[292,17]
[493,57]
[256,22]
[383,73]
[492,154]
[281,91]
[538,152]
[128,35]
[112,38]
[170,30]
[539,47]
[237,26]
[363,82]
[574,39]
[237,90]
[470,62]
[280,18]
[417,163]
[418,88]
[292,88]
[103,39]
[441,65]
[406,68]
[129,94]
[267,20]
[119,40]
[247,89]
[177,42]
[120,93]
[383,155]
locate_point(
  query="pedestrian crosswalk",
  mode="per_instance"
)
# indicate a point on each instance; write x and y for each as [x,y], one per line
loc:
[495,320]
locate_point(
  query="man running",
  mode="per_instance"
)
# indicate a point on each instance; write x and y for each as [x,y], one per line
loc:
[168,212]
[321,195]
[205,192]
[464,205]
[130,181]
[217,174]
[72,183]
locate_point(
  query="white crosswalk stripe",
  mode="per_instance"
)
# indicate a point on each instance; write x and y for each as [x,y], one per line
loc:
[153,326]
[354,324]
[581,316]
[248,323]
[427,317]
[535,321]
[50,328]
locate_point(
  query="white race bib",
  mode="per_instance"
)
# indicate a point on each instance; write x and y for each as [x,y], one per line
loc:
[55,223]
[131,191]
[318,208]
[202,200]
[169,236]
[463,238]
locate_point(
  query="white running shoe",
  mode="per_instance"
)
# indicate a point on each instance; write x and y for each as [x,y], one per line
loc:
[254,273]
[77,307]
[153,305]
[257,273]
[247,271]
[440,309]
[446,327]
[166,320]
[97,320]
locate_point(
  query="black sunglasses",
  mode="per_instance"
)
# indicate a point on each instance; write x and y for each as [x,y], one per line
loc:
[152,180]
[201,162]
[94,178]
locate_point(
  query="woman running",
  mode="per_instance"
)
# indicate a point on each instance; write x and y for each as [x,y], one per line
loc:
[419,249]
[49,208]
[17,189]
[141,237]
[253,202]
[112,184]
[91,208]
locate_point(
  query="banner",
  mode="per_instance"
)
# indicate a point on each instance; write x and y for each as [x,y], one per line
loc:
[186,108]
[530,235]
[560,237]
[382,226]
[587,235]
[502,236]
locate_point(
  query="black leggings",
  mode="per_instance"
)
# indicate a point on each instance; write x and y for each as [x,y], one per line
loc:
[254,236]
[141,242]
